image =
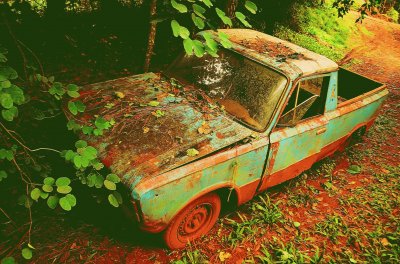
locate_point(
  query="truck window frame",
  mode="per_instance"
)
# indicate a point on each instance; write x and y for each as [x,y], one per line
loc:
[323,95]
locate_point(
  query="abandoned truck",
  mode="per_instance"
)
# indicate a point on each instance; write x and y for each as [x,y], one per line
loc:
[216,129]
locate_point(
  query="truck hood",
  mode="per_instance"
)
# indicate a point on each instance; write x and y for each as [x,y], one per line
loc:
[159,125]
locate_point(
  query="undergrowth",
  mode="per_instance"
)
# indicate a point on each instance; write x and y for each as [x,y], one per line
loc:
[318,28]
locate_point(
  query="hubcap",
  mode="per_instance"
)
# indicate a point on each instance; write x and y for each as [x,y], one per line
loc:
[195,221]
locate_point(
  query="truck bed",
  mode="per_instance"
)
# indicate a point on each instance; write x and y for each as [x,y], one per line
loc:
[352,85]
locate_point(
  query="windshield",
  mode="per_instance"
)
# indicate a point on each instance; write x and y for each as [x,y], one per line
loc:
[247,90]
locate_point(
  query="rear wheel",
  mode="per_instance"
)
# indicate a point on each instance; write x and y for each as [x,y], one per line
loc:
[195,220]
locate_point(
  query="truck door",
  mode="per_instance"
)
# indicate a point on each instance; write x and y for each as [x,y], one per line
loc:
[297,138]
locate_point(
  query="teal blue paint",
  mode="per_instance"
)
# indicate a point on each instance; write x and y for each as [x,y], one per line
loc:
[298,147]
[174,196]
[342,125]
[331,99]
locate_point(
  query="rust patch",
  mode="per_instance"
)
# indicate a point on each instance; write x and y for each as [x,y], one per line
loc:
[279,51]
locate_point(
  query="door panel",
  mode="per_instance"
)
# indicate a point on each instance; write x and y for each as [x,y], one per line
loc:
[294,150]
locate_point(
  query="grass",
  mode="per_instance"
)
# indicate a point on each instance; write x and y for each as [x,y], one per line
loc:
[319,29]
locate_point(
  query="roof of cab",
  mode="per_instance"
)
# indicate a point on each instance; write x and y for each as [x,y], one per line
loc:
[292,60]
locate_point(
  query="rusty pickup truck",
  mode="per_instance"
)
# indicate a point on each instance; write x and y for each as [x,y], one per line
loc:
[215,129]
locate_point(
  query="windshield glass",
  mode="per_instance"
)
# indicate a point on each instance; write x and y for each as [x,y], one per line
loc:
[247,90]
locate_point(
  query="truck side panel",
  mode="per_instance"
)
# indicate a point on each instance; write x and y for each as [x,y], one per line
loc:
[241,173]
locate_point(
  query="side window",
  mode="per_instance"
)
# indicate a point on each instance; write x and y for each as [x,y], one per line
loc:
[307,100]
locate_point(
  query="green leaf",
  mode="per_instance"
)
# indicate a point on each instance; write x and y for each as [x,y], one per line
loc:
[6,154]
[224,40]
[198,21]
[49,181]
[199,10]
[242,19]
[47,188]
[110,185]
[354,169]
[69,155]
[175,28]
[251,7]
[26,253]
[64,203]
[113,178]
[97,165]
[8,73]
[226,20]
[99,181]
[113,200]
[71,199]
[73,94]
[188,46]
[72,108]
[80,144]
[296,224]
[178,6]
[10,114]
[17,94]
[192,152]
[75,107]
[184,32]
[63,181]
[80,106]
[64,189]
[8,260]
[118,196]
[87,130]
[3,175]
[198,48]
[101,123]
[6,100]
[78,161]
[44,195]
[72,125]
[90,153]
[210,42]
[208,3]
[72,88]
[5,84]
[35,194]
[52,202]
[57,90]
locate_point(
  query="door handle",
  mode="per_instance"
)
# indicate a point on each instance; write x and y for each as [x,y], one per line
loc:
[321,131]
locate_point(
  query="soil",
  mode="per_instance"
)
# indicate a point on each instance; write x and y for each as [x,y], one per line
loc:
[322,199]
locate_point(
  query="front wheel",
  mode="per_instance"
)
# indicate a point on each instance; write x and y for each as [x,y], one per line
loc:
[195,220]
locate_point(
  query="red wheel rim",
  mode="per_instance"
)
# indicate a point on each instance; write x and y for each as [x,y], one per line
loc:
[195,222]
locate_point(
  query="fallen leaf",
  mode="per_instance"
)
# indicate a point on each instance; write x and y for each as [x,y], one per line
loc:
[204,129]
[385,171]
[385,242]
[153,103]
[192,152]
[158,113]
[224,256]
[120,95]
[146,130]
[354,169]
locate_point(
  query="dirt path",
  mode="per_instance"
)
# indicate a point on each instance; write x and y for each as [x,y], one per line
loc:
[378,52]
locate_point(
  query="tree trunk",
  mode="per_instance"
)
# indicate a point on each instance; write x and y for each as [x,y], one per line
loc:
[231,8]
[152,35]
